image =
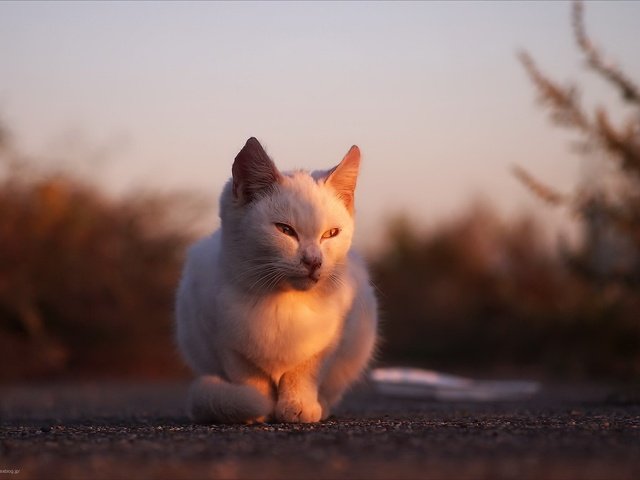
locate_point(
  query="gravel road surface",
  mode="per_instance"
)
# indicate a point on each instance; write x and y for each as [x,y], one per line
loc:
[116,430]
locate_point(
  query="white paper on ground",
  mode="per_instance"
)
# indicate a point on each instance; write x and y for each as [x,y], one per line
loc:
[428,384]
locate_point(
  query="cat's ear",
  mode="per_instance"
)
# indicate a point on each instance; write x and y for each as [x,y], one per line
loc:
[253,172]
[343,178]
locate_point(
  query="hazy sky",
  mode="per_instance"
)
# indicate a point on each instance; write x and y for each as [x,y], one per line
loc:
[167,93]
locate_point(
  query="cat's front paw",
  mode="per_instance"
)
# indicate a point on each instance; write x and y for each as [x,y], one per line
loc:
[298,411]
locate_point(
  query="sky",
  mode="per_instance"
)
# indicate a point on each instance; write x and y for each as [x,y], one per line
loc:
[145,95]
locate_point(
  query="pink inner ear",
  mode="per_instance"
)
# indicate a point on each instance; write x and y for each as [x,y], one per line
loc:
[343,178]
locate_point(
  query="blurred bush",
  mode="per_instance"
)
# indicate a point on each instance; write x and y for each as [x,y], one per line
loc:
[86,280]
[607,201]
[481,294]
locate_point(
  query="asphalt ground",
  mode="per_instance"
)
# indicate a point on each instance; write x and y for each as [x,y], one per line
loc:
[118,430]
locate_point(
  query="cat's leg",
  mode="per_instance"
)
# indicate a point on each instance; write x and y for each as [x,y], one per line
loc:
[308,392]
[349,361]
[247,397]
[242,371]
[214,400]
[298,393]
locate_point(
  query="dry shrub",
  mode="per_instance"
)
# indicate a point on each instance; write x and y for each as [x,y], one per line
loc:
[86,280]
[481,294]
[608,205]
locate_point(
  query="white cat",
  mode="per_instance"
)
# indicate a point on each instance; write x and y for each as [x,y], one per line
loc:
[275,312]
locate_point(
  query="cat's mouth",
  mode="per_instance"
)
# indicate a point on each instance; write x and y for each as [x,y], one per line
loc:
[304,282]
[314,276]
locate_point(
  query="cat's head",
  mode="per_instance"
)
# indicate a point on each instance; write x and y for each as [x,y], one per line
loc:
[289,230]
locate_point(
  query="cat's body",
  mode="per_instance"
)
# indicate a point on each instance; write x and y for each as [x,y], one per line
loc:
[275,313]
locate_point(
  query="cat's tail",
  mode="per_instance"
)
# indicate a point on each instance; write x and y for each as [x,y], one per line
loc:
[213,400]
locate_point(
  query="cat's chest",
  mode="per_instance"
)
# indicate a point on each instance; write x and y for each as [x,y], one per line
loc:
[282,331]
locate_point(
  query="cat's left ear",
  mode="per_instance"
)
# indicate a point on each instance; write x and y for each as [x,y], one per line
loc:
[343,178]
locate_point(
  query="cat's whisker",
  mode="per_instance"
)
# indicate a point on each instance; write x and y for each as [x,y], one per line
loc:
[336,280]
[253,271]
[272,275]
[262,285]
[262,280]
[275,280]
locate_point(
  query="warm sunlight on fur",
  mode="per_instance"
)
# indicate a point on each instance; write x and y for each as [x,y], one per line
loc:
[275,312]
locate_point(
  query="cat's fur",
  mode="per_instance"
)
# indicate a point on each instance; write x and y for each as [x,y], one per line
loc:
[276,323]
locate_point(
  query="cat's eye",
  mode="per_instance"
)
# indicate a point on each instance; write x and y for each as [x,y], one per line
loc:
[331,233]
[286,229]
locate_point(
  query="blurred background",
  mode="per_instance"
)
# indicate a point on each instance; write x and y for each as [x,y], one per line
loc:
[498,205]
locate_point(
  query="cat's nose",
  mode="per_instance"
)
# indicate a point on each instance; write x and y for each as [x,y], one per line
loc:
[312,263]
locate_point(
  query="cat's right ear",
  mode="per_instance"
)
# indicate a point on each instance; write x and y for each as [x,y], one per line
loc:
[253,172]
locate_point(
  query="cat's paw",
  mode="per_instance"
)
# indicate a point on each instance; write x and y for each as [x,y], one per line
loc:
[298,411]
